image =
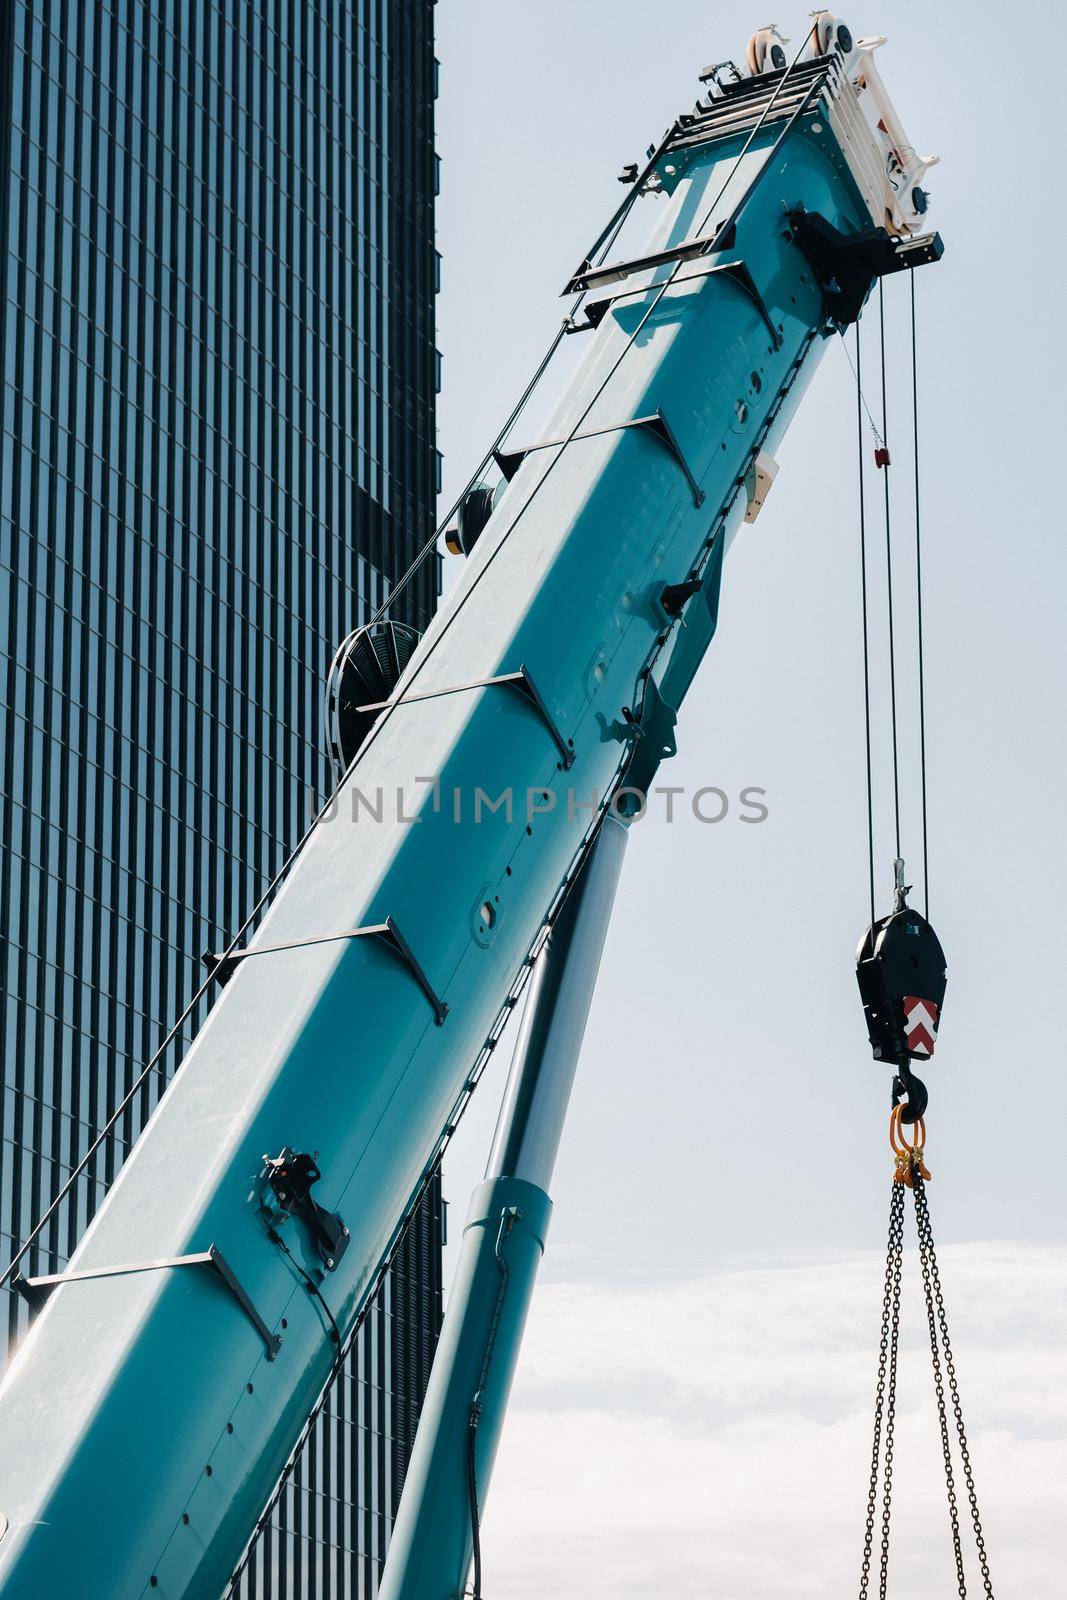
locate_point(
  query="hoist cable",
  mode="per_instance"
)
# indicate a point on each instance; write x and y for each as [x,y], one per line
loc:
[878,440]
[866,628]
[889,579]
[919,599]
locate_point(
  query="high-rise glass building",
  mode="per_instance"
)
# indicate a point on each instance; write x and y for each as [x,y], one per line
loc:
[219,375]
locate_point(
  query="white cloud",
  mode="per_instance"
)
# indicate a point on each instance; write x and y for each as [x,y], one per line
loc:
[713,1437]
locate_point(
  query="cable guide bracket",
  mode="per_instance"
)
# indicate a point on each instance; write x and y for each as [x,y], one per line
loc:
[846,264]
[737,271]
[588,277]
[522,682]
[509,461]
[289,1178]
[35,1291]
[221,967]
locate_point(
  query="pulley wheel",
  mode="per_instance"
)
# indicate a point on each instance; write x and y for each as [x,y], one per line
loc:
[364,672]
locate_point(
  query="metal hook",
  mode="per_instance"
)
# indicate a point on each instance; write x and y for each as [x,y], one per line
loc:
[913,1092]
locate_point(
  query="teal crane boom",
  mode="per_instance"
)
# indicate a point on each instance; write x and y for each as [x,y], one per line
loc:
[171,1367]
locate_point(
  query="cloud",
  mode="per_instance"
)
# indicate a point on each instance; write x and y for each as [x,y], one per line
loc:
[713,1437]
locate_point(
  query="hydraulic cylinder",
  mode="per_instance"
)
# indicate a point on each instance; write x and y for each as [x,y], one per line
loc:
[503,1241]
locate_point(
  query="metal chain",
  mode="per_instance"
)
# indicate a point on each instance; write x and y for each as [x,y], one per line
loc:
[922,1217]
[891,1402]
[925,1252]
[890,1319]
[910,1176]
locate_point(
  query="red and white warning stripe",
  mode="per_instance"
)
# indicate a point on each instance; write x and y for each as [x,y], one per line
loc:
[920,1024]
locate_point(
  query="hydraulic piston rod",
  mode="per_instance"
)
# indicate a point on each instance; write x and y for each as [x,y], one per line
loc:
[503,1242]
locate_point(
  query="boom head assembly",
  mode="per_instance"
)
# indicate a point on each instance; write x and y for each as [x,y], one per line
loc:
[892,175]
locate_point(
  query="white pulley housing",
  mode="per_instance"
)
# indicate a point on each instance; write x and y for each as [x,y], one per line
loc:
[828,33]
[765,52]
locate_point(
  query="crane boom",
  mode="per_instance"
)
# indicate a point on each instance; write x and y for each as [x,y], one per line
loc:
[165,1381]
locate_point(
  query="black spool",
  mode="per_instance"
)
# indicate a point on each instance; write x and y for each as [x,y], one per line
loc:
[472,516]
[364,672]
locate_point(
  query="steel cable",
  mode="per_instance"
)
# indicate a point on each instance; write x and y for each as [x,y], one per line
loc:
[889,575]
[866,628]
[919,598]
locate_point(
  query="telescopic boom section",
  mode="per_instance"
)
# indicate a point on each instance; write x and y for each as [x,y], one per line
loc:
[153,1405]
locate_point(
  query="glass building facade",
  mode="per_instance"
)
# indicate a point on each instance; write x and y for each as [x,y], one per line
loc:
[218,452]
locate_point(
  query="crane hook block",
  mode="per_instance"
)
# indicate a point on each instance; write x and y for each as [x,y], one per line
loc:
[900,967]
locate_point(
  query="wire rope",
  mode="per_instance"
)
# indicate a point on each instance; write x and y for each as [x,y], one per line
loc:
[919,601]
[866,623]
[889,578]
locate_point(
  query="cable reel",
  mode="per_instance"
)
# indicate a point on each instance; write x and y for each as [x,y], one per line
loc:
[472,515]
[364,672]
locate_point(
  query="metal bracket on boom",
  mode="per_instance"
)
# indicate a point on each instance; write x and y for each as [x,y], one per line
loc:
[509,461]
[736,271]
[652,731]
[846,264]
[520,681]
[290,1177]
[221,967]
[588,277]
[35,1291]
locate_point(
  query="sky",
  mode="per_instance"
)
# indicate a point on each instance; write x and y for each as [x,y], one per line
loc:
[693,1408]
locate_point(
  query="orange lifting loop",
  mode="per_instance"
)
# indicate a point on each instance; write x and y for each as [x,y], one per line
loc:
[908,1156]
